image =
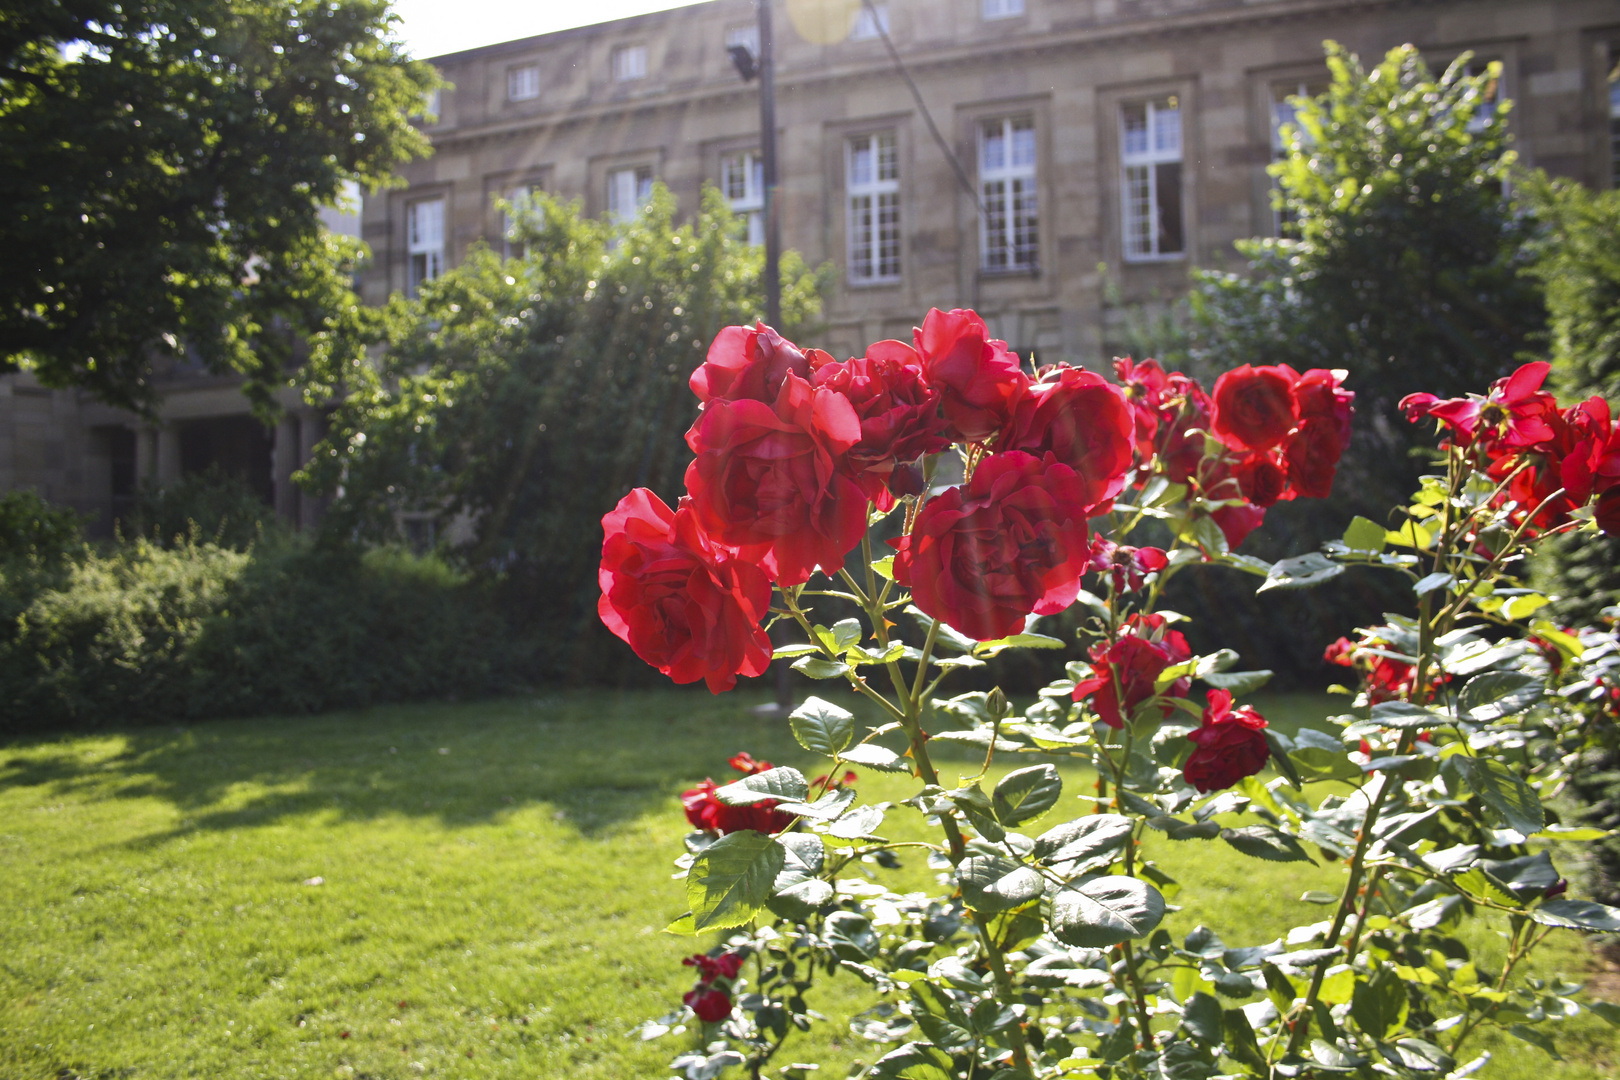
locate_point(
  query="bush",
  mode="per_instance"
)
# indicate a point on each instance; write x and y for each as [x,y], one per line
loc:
[30,527]
[208,507]
[147,634]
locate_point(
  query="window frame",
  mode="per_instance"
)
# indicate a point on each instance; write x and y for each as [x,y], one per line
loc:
[433,256]
[876,189]
[1611,80]
[1008,173]
[996,10]
[619,65]
[619,215]
[530,75]
[751,203]
[1149,159]
[1304,86]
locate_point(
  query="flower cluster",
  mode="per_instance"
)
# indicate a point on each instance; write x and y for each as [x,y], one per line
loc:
[1124,672]
[705,810]
[710,999]
[1375,658]
[1228,746]
[1548,462]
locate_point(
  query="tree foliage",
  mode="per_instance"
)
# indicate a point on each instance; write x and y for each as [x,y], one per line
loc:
[163,164]
[520,397]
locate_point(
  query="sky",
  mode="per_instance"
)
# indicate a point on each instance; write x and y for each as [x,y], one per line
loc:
[436,27]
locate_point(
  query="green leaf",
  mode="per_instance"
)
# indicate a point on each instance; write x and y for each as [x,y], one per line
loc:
[844,633]
[800,902]
[1279,757]
[1430,582]
[1017,641]
[1106,911]
[781,783]
[1185,1061]
[884,568]
[1509,801]
[939,1017]
[1364,535]
[991,883]
[1403,714]
[1266,842]
[851,936]
[817,668]
[1496,694]
[682,926]
[822,727]
[946,635]
[979,738]
[1536,1038]
[1241,1043]
[1579,915]
[1301,572]
[914,1061]
[862,821]
[1025,794]
[876,757]
[803,855]
[794,650]
[1082,838]
[1378,1004]
[1480,884]
[1607,1010]
[975,805]
[731,879]
[1202,1017]
[1238,682]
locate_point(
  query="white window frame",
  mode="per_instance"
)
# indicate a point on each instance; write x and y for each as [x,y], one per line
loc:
[1282,113]
[523,82]
[990,10]
[747,198]
[424,241]
[1148,158]
[628,189]
[868,28]
[516,249]
[1009,190]
[629,62]
[866,200]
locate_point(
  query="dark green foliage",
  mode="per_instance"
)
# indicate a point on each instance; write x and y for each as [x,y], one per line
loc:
[525,397]
[30,527]
[163,174]
[206,508]
[152,635]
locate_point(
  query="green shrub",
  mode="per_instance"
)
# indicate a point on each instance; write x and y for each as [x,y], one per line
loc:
[32,527]
[204,508]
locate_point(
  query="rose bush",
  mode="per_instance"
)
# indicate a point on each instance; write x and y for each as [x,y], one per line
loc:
[1043,953]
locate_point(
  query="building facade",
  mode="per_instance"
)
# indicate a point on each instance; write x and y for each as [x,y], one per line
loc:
[1131,135]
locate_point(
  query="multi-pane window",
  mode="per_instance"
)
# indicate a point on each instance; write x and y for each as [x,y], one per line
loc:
[521,199]
[1009,228]
[1285,113]
[742,178]
[523,83]
[629,62]
[869,25]
[873,181]
[424,241]
[1001,9]
[1150,156]
[628,190]
[1614,114]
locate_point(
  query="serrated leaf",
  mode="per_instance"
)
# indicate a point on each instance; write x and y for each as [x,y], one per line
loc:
[1536,1038]
[781,783]
[991,883]
[682,926]
[876,757]
[862,821]
[1496,694]
[817,668]
[1578,914]
[1082,838]
[1410,535]
[1379,1004]
[1202,1017]
[1403,714]
[1025,794]
[1017,641]
[1509,802]
[731,879]
[822,727]
[914,1061]
[1106,911]
[1364,535]
[1301,572]
[783,651]
[851,936]
[1238,682]
[946,635]
[1266,842]
[884,567]
[800,902]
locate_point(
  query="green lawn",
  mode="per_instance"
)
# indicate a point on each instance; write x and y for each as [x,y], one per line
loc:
[492,882]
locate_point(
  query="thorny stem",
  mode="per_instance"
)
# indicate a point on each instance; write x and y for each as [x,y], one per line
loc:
[1519,948]
[1138,993]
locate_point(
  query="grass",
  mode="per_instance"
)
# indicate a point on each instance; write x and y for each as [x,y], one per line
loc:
[492,880]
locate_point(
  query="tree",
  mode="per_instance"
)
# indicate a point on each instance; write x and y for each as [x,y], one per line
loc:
[524,396]
[163,164]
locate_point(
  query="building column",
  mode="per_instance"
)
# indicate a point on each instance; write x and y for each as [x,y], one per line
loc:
[168,454]
[285,458]
[311,430]
[145,457]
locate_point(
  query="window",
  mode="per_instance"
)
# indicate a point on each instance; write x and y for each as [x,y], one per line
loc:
[1614,115]
[868,26]
[424,241]
[628,191]
[746,35]
[1493,96]
[629,63]
[522,199]
[1010,225]
[1285,113]
[742,178]
[873,170]
[1002,9]
[1150,153]
[523,83]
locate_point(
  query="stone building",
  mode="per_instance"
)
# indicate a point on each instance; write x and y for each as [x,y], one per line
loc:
[1126,134]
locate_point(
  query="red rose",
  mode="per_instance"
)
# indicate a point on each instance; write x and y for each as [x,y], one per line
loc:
[1229,745]
[1607,513]
[1237,522]
[747,362]
[710,968]
[705,811]
[711,1006]
[1313,453]
[1145,385]
[1255,407]
[1011,541]
[1184,413]
[1260,479]
[1321,396]
[1514,413]
[1083,420]
[978,379]
[1127,567]
[1341,652]
[688,607]
[767,479]
[1123,674]
[898,411]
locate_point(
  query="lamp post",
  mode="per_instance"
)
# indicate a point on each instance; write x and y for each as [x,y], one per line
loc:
[763,67]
